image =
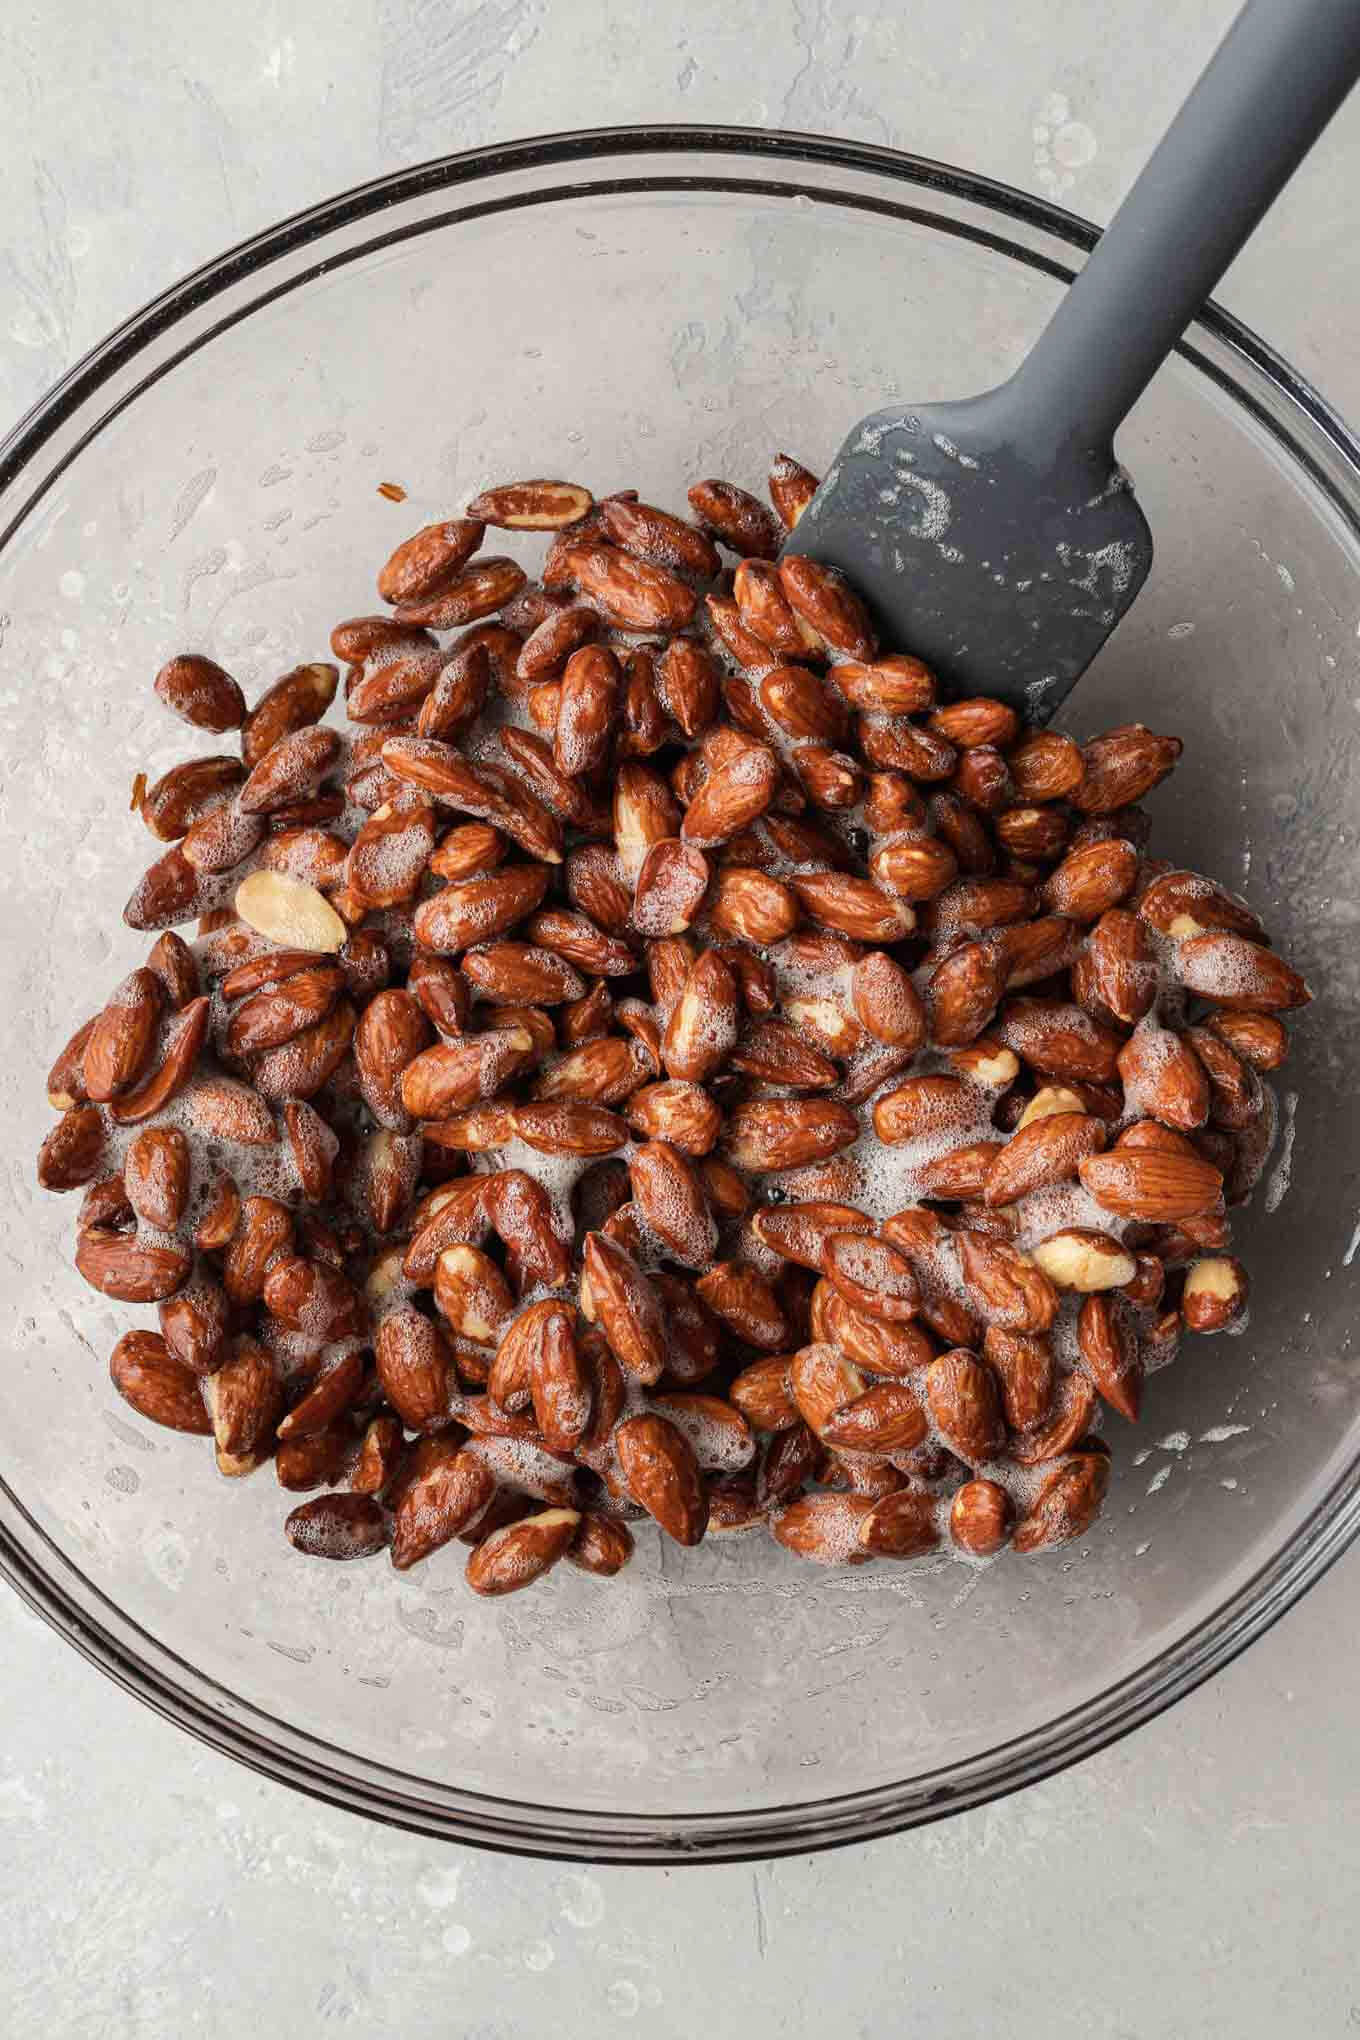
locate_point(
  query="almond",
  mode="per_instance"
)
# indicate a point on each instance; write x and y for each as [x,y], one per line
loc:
[1044,1152]
[1177,898]
[517,973]
[1214,1295]
[719,1434]
[194,1323]
[439,1503]
[732,796]
[157,1384]
[471,1295]
[295,702]
[603,1545]
[156,1175]
[1089,882]
[482,790]
[392,1033]
[963,992]
[1121,767]
[222,1109]
[1164,1078]
[787,1133]
[264,1234]
[853,906]
[962,1171]
[476,590]
[823,598]
[1083,1259]
[1010,1289]
[895,685]
[740,520]
[776,1054]
[886,1418]
[288,912]
[1046,766]
[670,1197]
[519,1553]
[1024,1365]
[683,1114]
[185,793]
[662,1474]
[531,506]
[1229,971]
[414,1367]
[824,1382]
[763,1394]
[792,488]
[825,1528]
[425,564]
[1115,975]
[122,1038]
[71,1154]
[965,1402]
[1109,1352]
[1148,1184]
[875,1343]
[1066,1505]
[887,1003]
[745,1301]
[1059,1040]
[871,1275]
[631,593]
[670,888]
[980,1518]
[337,1526]
[626,1305]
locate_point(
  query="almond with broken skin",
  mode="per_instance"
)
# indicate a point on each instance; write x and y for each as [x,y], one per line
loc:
[1215,1293]
[788,1133]
[1182,903]
[662,1475]
[531,506]
[188,791]
[157,1384]
[471,1295]
[798,1232]
[627,1308]
[295,702]
[1084,1259]
[702,1030]
[517,1554]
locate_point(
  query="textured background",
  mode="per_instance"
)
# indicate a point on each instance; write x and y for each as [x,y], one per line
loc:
[1202,1878]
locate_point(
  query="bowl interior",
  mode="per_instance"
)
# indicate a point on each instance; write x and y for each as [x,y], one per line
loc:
[638,320]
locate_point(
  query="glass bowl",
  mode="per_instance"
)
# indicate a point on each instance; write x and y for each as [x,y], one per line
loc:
[643,307]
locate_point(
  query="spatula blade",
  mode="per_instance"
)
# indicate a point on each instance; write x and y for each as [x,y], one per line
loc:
[1005,570]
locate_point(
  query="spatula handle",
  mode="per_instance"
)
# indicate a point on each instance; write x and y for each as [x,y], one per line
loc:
[1269,90]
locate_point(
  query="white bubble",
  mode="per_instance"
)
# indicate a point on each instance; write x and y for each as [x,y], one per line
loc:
[455,1940]
[622,1997]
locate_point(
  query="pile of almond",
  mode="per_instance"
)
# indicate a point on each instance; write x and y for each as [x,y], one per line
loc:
[660,1061]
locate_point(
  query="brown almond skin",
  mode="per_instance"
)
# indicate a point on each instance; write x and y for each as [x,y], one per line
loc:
[662,1475]
[122,1038]
[1149,1184]
[157,1384]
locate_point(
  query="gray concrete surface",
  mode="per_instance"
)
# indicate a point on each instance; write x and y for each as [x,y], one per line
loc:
[1201,1879]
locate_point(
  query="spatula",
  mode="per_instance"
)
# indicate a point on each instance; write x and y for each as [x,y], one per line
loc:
[997,537]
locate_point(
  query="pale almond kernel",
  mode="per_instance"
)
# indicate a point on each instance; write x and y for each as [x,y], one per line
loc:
[993,1067]
[286,911]
[1054,1098]
[1183,926]
[1085,1261]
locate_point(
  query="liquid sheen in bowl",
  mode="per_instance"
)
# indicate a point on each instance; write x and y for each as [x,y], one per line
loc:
[640,307]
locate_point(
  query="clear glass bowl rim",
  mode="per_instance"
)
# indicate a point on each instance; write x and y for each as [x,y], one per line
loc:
[80,1612]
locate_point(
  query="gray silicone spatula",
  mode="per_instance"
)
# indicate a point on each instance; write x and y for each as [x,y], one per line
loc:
[997,537]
